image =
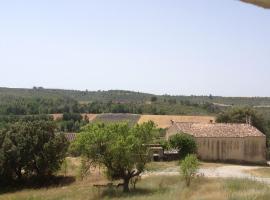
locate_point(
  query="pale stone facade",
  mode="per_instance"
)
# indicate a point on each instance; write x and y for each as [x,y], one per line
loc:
[225,142]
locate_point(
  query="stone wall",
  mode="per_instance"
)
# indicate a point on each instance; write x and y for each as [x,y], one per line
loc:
[247,149]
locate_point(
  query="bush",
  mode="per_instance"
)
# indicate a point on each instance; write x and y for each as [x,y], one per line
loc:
[189,167]
[184,143]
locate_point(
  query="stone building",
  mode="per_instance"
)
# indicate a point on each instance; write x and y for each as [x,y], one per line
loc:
[224,142]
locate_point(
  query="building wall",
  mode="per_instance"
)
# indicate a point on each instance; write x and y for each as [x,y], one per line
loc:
[248,149]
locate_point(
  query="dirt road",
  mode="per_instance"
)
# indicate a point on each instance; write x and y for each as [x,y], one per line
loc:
[226,171]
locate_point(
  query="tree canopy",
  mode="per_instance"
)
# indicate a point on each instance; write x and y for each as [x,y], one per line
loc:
[119,147]
[30,149]
[242,115]
[184,143]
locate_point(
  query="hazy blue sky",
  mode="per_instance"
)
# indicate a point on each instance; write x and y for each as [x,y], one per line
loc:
[187,47]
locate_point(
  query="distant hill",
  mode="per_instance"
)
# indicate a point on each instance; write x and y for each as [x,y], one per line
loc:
[36,101]
[122,96]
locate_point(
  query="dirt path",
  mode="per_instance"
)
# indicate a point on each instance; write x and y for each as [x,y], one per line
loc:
[226,171]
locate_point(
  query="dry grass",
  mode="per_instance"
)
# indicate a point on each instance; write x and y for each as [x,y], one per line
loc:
[164,121]
[153,188]
[57,116]
[91,117]
[149,188]
[207,165]
[263,172]
[156,166]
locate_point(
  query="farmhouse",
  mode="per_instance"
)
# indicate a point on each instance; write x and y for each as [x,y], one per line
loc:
[224,142]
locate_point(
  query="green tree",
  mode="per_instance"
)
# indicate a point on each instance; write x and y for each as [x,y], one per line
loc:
[184,143]
[154,99]
[31,148]
[119,147]
[242,115]
[189,167]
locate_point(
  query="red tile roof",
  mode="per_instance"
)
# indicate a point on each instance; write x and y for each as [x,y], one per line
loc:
[218,130]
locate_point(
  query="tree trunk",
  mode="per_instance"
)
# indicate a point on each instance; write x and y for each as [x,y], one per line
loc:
[19,173]
[126,185]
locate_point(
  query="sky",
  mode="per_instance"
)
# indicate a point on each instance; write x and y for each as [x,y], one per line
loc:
[158,46]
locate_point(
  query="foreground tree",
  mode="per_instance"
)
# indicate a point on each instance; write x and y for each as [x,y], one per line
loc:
[189,167]
[184,143]
[120,148]
[31,149]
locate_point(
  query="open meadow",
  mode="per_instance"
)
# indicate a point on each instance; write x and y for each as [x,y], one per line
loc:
[151,187]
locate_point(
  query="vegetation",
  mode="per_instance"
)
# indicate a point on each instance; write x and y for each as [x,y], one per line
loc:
[72,122]
[43,101]
[119,147]
[132,119]
[242,115]
[247,115]
[184,143]
[30,149]
[189,166]
[152,188]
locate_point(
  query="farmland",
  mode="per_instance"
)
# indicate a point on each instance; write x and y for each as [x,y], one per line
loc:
[112,118]
[164,121]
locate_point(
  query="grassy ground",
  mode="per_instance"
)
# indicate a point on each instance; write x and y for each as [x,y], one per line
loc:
[153,188]
[155,166]
[149,188]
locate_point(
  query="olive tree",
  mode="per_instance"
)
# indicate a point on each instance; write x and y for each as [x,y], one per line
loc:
[119,147]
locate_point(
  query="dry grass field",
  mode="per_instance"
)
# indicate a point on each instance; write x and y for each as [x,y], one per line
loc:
[262,172]
[57,116]
[152,188]
[91,117]
[148,188]
[164,121]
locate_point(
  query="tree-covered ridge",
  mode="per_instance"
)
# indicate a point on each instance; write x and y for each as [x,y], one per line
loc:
[123,96]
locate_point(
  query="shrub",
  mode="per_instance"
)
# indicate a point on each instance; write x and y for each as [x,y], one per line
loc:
[184,143]
[189,167]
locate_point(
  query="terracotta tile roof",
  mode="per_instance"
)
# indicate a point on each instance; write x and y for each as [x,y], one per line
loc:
[218,130]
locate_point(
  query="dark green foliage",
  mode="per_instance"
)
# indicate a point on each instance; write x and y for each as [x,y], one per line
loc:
[259,119]
[30,149]
[7,119]
[184,143]
[43,101]
[10,105]
[71,122]
[119,147]
[242,115]
[154,99]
